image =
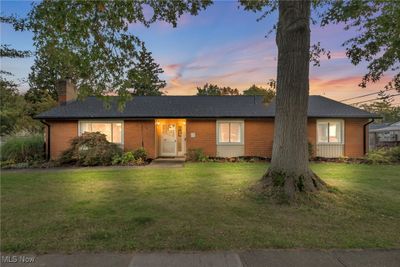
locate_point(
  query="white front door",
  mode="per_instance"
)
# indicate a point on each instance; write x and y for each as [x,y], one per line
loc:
[168,139]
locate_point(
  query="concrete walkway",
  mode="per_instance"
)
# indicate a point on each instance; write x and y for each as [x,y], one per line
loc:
[257,258]
[167,163]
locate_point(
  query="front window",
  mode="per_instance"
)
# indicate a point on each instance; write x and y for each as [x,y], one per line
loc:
[112,130]
[230,132]
[330,131]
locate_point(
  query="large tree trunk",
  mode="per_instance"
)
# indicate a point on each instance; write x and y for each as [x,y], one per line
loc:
[289,169]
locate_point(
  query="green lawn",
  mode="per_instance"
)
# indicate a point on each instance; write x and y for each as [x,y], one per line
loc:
[202,206]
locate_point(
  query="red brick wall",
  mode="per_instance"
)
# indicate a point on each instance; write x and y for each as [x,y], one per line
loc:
[354,137]
[133,136]
[205,131]
[312,133]
[258,137]
[61,133]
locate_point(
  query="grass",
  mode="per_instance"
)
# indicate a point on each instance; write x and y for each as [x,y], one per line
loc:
[204,206]
[23,149]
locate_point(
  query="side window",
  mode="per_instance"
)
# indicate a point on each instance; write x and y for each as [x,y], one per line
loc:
[230,132]
[112,130]
[330,131]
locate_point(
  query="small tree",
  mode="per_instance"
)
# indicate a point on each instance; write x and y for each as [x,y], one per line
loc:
[215,90]
[268,93]
[143,77]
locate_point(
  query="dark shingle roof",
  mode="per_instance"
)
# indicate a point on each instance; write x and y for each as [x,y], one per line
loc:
[391,127]
[376,126]
[195,107]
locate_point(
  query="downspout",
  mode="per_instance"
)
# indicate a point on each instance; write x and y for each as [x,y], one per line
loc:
[365,135]
[48,139]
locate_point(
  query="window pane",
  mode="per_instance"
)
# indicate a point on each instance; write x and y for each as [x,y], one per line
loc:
[104,128]
[117,133]
[86,127]
[224,132]
[335,132]
[235,132]
[322,132]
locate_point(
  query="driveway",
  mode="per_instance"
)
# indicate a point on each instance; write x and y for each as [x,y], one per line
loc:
[256,258]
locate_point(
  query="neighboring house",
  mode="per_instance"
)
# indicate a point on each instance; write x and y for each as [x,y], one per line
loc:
[386,134]
[222,126]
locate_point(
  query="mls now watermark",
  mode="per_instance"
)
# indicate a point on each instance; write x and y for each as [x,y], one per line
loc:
[17,259]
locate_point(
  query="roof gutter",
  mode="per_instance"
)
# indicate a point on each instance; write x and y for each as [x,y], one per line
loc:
[48,139]
[365,135]
[194,117]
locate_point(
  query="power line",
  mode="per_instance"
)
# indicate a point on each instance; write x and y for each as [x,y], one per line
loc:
[379,98]
[366,95]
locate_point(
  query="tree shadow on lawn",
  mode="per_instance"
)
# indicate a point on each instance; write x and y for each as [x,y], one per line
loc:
[199,207]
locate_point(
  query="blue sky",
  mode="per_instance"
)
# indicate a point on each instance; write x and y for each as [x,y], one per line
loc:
[223,45]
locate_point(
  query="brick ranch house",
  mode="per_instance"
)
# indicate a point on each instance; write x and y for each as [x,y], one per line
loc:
[222,126]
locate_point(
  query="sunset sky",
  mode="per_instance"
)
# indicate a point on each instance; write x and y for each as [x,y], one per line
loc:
[223,45]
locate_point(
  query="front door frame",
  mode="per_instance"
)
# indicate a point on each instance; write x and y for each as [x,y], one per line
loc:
[179,124]
[181,138]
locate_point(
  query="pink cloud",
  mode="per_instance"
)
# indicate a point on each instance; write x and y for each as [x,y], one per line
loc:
[346,87]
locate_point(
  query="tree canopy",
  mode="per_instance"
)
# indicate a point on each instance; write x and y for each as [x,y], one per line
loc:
[377,38]
[384,107]
[16,110]
[90,41]
[215,90]
[43,78]
[375,23]
[268,93]
[144,78]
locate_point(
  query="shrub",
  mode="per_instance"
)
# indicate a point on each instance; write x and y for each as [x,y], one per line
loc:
[7,164]
[127,157]
[382,155]
[23,149]
[140,153]
[197,154]
[116,160]
[123,159]
[90,149]
[395,153]
[137,157]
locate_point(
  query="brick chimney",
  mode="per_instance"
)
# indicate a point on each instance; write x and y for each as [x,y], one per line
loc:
[66,91]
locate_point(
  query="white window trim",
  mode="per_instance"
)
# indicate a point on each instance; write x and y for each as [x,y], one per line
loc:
[241,133]
[104,121]
[341,121]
